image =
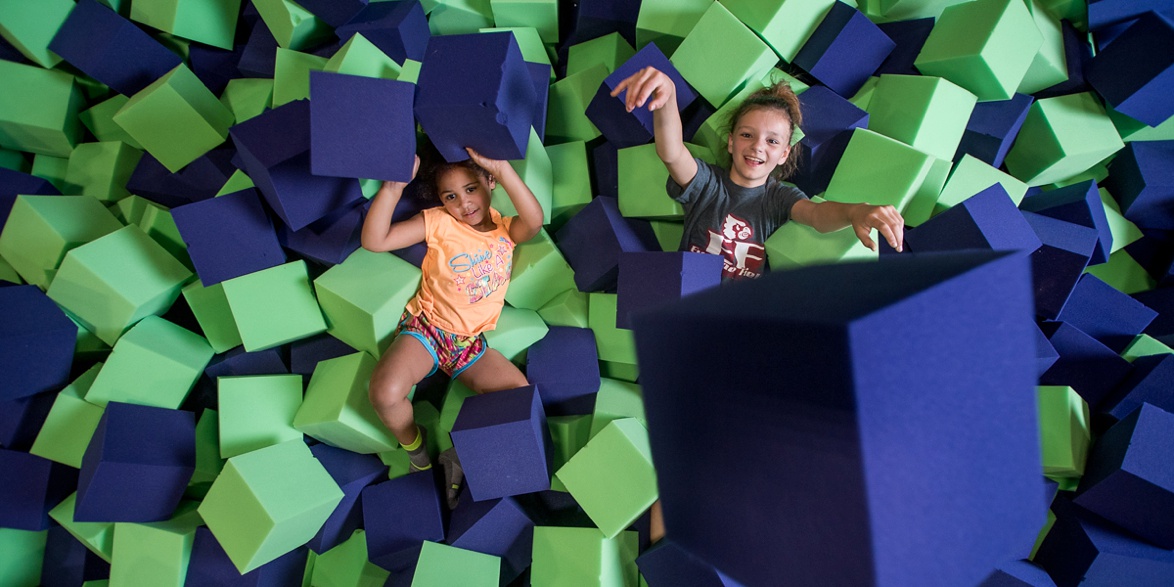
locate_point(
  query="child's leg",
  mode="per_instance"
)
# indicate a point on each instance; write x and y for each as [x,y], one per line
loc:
[492,372]
[405,363]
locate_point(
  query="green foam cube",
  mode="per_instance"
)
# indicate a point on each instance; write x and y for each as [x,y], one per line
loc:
[921,207]
[24,552]
[1064,431]
[616,345]
[642,179]
[574,557]
[257,411]
[1049,66]
[668,234]
[540,15]
[156,553]
[450,408]
[517,329]
[719,70]
[155,363]
[410,72]
[1135,130]
[616,400]
[610,50]
[274,306]
[71,422]
[291,75]
[1145,345]
[210,307]
[441,565]
[111,283]
[7,273]
[667,22]
[566,309]
[1123,273]
[878,170]
[212,22]
[102,169]
[364,296]
[89,347]
[621,371]
[863,96]
[891,10]
[347,565]
[96,536]
[176,119]
[30,26]
[925,112]
[236,182]
[568,434]
[972,175]
[1061,137]
[14,160]
[100,120]
[361,57]
[785,25]
[268,502]
[1124,232]
[41,230]
[536,171]
[529,41]
[566,114]
[458,17]
[985,46]
[157,222]
[292,26]
[336,409]
[571,181]
[540,272]
[612,477]
[796,245]
[247,97]
[208,461]
[52,169]
[42,117]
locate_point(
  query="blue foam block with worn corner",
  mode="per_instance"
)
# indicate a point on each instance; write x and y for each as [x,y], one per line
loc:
[21,419]
[400,513]
[111,49]
[137,464]
[1134,78]
[228,236]
[199,180]
[330,239]
[275,150]
[399,29]
[361,127]
[828,123]
[845,49]
[30,487]
[1079,203]
[1059,263]
[334,12]
[493,111]
[628,129]
[1090,368]
[666,563]
[498,527]
[564,366]
[37,341]
[992,129]
[1127,479]
[352,472]
[1141,178]
[1077,54]
[1084,549]
[650,280]
[68,562]
[1150,381]
[14,183]
[1106,314]
[593,239]
[503,443]
[259,55]
[210,565]
[1045,353]
[986,220]
[881,451]
[238,362]
[909,37]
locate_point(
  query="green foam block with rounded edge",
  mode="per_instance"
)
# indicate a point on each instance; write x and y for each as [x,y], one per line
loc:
[566,114]
[274,306]
[96,536]
[566,309]
[41,230]
[785,25]
[571,186]
[212,22]
[156,363]
[612,477]
[1064,431]
[292,26]
[71,422]
[268,502]
[1062,137]
[24,553]
[336,409]
[540,15]
[517,329]
[155,553]
[257,411]
[102,169]
[616,345]
[719,70]
[347,564]
[925,112]
[574,557]
[972,175]
[210,307]
[441,565]
[540,272]
[364,296]
[42,117]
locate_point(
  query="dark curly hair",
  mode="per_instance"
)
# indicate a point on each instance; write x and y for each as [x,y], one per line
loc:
[782,98]
[433,165]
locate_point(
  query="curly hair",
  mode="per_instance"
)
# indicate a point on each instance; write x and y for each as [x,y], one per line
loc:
[433,165]
[778,96]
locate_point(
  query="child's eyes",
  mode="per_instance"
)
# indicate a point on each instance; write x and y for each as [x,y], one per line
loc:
[470,190]
[774,141]
[745,135]
[449,196]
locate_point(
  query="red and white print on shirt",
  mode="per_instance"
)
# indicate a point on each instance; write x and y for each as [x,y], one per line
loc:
[743,257]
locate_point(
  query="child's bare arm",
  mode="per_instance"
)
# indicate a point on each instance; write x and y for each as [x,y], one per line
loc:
[830,216]
[652,87]
[379,234]
[529,219]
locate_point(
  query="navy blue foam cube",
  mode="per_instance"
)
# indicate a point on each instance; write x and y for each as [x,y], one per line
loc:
[1141,178]
[498,527]
[605,169]
[1045,353]
[1106,314]
[540,77]
[887,451]
[334,12]
[628,129]
[1136,80]
[239,362]
[259,55]
[398,28]
[275,150]
[1090,368]
[1079,203]
[1160,300]
[14,183]
[1128,479]
[330,239]
[650,280]
[845,49]
[596,18]
[1083,549]
[137,465]
[593,239]
[666,564]
[199,180]
[992,129]
[305,354]
[494,109]
[909,36]
[30,487]
[36,343]
[228,236]
[828,122]
[1077,54]
[503,443]
[214,67]
[1018,573]
[352,472]
[209,565]
[1102,14]
[397,515]
[21,419]
[986,220]
[1059,263]
[68,562]
[111,49]
[361,127]
[1151,381]
[564,366]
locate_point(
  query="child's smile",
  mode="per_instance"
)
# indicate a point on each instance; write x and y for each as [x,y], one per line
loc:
[760,142]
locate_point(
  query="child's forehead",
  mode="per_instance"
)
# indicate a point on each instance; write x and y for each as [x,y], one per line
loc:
[767,119]
[457,175]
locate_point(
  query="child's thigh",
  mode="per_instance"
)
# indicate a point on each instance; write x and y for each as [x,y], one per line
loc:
[492,372]
[403,365]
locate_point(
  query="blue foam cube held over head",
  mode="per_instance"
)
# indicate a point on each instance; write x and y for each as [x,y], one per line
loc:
[475,90]
[399,28]
[653,279]
[37,341]
[1133,77]
[1079,203]
[628,129]
[869,439]
[992,129]
[228,236]
[503,443]
[564,366]
[137,465]
[593,239]
[398,514]
[1102,312]
[30,487]
[986,220]
[361,127]
[844,50]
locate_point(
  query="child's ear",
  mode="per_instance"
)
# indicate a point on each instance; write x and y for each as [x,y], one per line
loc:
[786,153]
[492,183]
[730,143]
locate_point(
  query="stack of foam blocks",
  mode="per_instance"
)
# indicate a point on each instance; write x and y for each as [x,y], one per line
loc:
[188,323]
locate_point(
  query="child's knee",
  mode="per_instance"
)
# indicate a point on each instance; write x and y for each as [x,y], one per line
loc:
[387,392]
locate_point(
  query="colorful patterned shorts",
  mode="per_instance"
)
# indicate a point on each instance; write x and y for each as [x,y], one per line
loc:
[452,353]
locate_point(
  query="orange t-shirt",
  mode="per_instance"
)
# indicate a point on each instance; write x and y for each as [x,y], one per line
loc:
[465,273]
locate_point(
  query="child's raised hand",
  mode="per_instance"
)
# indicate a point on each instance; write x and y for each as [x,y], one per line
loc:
[493,166]
[415,169]
[885,219]
[644,84]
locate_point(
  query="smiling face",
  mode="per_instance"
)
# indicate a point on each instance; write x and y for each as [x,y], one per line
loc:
[759,142]
[465,194]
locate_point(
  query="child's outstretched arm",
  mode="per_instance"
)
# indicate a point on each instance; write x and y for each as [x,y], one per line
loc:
[379,234]
[830,216]
[529,219]
[652,86]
